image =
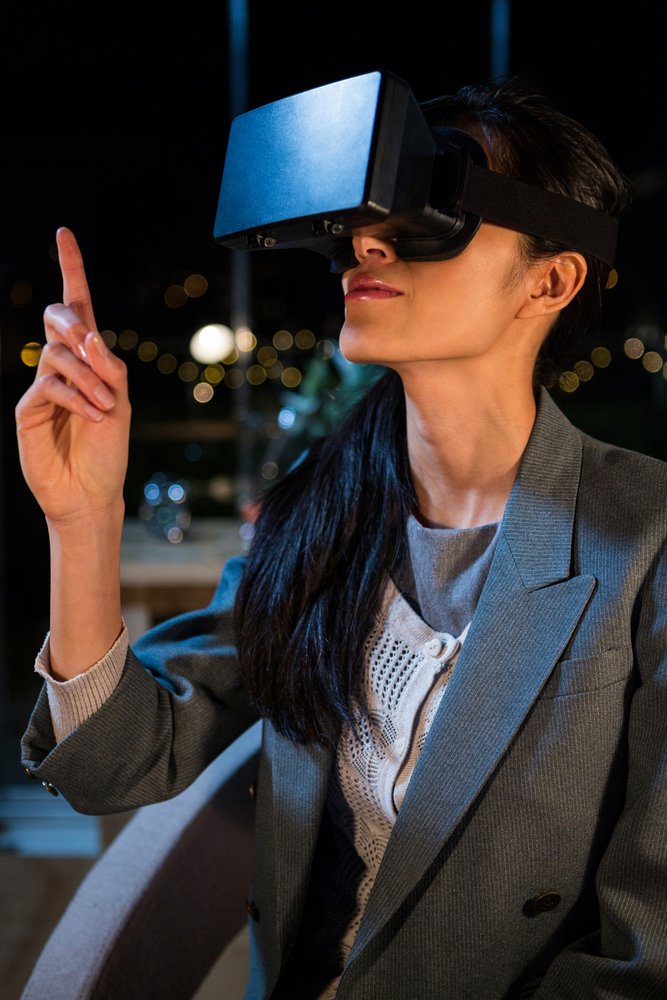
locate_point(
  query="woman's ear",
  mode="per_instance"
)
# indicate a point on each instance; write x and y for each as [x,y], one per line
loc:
[558,279]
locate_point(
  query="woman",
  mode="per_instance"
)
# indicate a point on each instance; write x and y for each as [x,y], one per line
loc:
[452,619]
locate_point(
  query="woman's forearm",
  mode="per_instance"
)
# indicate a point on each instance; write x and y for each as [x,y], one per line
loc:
[85,591]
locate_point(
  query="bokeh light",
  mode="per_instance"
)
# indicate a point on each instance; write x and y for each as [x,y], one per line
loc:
[211,343]
[147,351]
[246,340]
[214,374]
[267,356]
[633,347]
[203,392]
[327,348]
[188,371]
[612,280]
[305,339]
[269,470]
[584,371]
[282,340]
[167,364]
[31,353]
[601,357]
[286,417]
[20,294]
[128,340]
[291,377]
[568,381]
[275,371]
[234,378]
[109,338]
[256,374]
[175,297]
[652,361]
[195,285]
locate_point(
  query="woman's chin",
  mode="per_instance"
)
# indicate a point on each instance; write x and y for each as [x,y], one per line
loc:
[360,348]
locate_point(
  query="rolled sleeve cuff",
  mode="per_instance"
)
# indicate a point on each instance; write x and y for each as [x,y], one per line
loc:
[73,701]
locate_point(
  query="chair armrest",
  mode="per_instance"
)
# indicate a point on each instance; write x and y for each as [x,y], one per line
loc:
[156,910]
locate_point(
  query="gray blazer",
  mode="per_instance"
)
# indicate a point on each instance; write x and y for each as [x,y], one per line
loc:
[529,858]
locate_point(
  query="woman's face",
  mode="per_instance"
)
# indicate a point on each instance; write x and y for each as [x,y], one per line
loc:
[397,311]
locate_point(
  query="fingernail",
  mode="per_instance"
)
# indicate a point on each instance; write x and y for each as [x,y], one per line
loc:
[100,345]
[104,397]
[93,413]
[82,351]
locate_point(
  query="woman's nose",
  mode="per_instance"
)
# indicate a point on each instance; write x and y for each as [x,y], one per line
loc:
[365,247]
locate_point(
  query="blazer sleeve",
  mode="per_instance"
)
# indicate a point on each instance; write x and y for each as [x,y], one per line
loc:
[627,958]
[180,701]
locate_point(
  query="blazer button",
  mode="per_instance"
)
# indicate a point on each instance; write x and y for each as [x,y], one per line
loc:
[30,774]
[544,902]
[252,789]
[251,909]
[50,788]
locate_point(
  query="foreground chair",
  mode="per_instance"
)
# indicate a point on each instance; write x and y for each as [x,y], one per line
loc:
[157,909]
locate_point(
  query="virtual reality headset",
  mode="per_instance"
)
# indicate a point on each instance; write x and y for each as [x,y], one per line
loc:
[312,170]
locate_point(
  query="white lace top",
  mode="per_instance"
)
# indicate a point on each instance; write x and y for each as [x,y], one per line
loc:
[409,664]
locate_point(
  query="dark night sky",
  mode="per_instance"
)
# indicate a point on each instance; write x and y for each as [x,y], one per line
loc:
[115,122]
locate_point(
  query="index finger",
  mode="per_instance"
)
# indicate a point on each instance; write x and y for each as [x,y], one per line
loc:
[76,293]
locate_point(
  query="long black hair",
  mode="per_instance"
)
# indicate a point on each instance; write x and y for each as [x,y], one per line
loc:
[331,531]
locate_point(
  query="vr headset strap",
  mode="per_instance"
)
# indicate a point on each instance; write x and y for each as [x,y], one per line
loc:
[509,202]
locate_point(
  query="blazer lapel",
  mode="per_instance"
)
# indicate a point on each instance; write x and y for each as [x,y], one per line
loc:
[528,610]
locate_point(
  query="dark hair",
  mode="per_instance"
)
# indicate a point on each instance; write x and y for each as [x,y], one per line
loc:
[334,527]
[527,137]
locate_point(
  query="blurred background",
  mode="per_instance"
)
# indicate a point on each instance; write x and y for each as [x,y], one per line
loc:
[115,123]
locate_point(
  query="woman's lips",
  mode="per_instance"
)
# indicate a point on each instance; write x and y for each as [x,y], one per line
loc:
[364,288]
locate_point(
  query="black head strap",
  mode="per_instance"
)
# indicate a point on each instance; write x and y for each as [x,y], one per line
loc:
[532,210]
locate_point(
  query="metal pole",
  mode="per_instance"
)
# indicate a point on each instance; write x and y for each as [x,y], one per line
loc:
[500,38]
[240,308]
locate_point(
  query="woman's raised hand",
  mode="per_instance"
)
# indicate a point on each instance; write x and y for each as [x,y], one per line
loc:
[73,422]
